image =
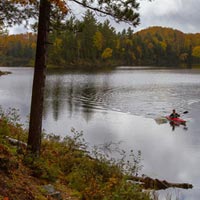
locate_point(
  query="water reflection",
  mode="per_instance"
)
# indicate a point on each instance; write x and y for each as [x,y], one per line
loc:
[77,98]
[175,125]
[56,96]
[140,93]
[176,194]
[122,106]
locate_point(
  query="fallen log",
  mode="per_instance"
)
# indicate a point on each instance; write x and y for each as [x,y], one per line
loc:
[16,142]
[4,73]
[156,184]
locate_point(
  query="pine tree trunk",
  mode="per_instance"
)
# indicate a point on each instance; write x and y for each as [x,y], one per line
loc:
[35,125]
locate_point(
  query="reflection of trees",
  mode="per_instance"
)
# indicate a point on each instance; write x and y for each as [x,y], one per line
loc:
[46,101]
[70,91]
[53,98]
[89,92]
[74,97]
[57,99]
[80,98]
[175,125]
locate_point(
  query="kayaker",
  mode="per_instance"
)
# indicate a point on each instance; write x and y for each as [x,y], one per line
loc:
[174,114]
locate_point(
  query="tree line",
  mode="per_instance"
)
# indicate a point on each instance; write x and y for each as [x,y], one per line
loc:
[45,12]
[17,50]
[87,42]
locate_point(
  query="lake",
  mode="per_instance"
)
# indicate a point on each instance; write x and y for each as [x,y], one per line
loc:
[121,106]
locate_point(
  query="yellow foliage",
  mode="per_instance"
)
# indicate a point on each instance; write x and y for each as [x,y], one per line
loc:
[139,50]
[33,45]
[118,44]
[163,45]
[196,52]
[57,42]
[98,40]
[155,40]
[129,42]
[133,56]
[107,53]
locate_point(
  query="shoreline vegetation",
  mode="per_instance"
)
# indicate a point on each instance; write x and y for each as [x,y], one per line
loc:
[101,46]
[66,169]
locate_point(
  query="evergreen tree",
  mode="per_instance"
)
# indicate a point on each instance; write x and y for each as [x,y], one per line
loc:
[120,10]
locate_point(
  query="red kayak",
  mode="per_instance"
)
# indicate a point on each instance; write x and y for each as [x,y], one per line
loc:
[176,120]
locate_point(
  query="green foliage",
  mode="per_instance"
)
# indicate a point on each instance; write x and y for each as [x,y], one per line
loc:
[8,118]
[10,115]
[86,43]
[93,173]
[11,129]
[10,123]
[42,168]
[4,128]
[17,50]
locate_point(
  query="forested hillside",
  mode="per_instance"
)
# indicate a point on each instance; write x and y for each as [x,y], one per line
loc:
[166,46]
[17,50]
[90,43]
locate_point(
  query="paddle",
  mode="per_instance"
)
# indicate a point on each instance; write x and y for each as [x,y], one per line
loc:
[185,112]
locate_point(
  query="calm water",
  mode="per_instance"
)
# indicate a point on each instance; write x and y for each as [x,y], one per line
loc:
[122,105]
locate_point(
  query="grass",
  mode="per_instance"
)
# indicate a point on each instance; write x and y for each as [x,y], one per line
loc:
[65,163]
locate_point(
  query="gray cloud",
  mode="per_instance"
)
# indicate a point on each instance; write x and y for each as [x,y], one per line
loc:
[179,14]
[183,15]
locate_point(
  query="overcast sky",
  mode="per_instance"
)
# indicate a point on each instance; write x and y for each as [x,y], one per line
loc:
[183,15]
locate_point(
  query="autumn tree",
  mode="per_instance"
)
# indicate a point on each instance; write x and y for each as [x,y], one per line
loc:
[125,11]
[196,53]
[98,40]
[109,36]
[107,53]
[120,10]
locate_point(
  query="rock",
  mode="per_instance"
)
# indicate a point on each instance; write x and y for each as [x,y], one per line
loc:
[56,195]
[49,188]
[51,192]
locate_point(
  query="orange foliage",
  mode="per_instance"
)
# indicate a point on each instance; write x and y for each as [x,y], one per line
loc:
[162,42]
[61,4]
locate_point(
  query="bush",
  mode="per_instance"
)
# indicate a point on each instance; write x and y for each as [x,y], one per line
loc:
[94,174]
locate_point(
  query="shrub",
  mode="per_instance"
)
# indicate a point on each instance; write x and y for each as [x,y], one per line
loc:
[94,174]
